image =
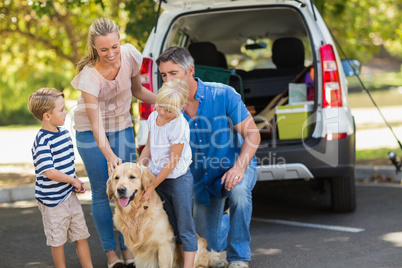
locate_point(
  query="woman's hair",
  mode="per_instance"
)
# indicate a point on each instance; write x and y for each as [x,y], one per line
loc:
[173,95]
[42,101]
[179,55]
[99,27]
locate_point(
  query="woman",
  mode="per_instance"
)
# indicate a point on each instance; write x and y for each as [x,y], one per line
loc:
[108,78]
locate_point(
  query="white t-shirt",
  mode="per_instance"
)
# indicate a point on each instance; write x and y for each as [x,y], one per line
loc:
[161,139]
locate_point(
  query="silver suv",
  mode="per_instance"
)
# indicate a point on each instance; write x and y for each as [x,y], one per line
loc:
[280,56]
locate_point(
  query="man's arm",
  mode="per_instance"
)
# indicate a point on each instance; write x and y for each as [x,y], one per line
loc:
[141,92]
[251,136]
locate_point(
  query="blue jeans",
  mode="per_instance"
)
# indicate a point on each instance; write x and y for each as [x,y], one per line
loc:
[177,198]
[123,145]
[220,233]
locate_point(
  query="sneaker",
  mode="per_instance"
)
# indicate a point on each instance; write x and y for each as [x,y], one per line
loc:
[238,264]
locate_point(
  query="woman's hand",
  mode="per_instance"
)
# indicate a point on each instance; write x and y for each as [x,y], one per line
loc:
[113,162]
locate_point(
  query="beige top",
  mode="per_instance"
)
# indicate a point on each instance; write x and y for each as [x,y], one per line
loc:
[114,96]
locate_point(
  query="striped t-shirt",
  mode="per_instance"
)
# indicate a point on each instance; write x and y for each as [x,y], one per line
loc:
[53,150]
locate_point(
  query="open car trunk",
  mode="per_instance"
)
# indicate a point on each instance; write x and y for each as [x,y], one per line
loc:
[267,60]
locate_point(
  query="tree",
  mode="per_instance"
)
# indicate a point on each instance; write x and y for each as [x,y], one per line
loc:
[363,26]
[43,40]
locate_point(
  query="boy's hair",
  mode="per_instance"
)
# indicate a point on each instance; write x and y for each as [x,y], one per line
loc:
[173,95]
[42,101]
[179,55]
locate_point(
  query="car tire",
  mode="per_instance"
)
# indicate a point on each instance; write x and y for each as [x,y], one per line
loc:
[343,196]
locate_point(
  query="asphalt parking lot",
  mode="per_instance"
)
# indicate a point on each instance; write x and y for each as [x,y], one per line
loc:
[291,227]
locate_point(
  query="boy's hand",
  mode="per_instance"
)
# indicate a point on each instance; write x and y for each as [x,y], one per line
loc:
[79,186]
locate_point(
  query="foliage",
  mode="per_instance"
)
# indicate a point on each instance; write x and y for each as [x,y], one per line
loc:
[362,26]
[42,40]
[142,17]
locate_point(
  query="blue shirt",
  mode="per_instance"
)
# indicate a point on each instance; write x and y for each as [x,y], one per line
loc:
[215,145]
[53,150]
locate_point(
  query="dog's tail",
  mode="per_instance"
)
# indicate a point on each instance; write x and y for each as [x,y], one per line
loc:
[206,259]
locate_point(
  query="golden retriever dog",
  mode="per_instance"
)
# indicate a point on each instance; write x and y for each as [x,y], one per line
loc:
[145,225]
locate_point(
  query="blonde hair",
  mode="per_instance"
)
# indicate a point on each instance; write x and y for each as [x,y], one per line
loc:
[99,27]
[173,95]
[42,101]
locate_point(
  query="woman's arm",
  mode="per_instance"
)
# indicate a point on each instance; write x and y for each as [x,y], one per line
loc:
[95,119]
[175,153]
[141,92]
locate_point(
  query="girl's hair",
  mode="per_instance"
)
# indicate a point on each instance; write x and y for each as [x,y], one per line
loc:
[43,101]
[99,27]
[173,95]
[179,55]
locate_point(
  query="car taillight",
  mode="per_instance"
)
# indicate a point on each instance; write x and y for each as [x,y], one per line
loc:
[332,96]
[336,136]
[146,81]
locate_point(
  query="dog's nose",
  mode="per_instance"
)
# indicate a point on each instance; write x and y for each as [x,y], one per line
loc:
[121,190]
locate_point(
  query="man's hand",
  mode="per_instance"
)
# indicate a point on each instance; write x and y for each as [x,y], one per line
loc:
[232,177]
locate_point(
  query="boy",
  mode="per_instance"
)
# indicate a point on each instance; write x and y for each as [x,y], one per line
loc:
[56,183]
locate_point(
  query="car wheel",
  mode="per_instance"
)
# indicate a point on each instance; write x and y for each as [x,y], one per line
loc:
[343,195]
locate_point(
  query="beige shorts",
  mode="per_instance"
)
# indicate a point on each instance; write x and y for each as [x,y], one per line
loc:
[64,222]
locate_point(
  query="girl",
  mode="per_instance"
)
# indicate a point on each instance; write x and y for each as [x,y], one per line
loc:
[168,156]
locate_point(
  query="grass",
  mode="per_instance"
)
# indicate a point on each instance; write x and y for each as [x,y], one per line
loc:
[383,98]
[368,154]
[385,88]
[20,127]
[377,81]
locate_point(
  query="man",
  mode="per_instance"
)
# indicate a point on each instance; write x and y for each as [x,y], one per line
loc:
[223,163]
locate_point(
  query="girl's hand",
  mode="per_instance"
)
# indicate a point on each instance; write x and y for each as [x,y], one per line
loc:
[114,161]
[147,195]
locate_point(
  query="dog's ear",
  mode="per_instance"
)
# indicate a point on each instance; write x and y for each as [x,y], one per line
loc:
[109,190]
[147,178]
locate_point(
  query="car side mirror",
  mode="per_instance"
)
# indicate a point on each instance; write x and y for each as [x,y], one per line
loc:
[351,67]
